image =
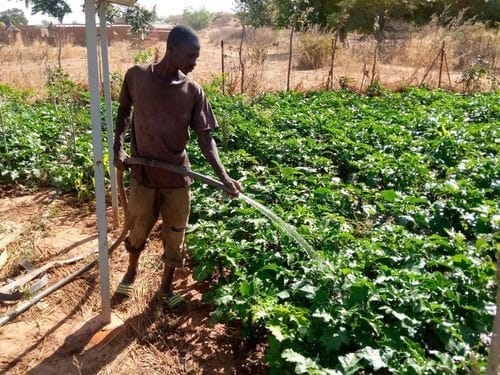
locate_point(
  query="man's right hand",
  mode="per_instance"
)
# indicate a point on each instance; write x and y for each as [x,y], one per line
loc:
[119,160]
[234,186]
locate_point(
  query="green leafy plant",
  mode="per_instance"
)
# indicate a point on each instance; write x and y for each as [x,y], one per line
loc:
[476,75]
[144,56]
[198,19]
[397,193]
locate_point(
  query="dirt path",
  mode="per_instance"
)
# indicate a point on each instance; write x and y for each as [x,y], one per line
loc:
[62,333]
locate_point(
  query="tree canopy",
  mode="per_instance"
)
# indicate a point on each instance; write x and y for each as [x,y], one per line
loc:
[197,19]
[140,20]
[53,8]
[365,16]
[15,16]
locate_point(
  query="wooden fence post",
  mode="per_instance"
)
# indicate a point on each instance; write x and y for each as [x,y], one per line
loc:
[374,65]
[223,72]
[4,133]
[334,48]
[289,59]
[430,67]
[447,70]
[242,65]
[441,65]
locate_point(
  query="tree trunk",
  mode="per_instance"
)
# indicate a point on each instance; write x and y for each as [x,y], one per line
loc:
[290,49]
[59,52]
[494,353]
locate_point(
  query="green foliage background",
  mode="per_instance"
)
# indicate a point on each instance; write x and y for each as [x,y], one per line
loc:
[15,16]
[198,19]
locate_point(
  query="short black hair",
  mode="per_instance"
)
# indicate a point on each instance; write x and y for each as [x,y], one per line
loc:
[181,34]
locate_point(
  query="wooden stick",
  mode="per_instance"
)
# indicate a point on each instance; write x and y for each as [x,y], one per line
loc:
[290,49]
[21,280]
[441,65]
[240,53]
[447,70]
[222,63]
[374,65]
[429,69]
[334,48]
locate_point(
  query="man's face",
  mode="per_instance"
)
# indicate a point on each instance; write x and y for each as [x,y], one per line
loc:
[184,56]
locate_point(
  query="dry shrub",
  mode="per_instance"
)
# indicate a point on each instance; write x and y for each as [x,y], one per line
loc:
[314,48]
[463,44]
[18,52]
[71,51]
[259,42]
[263,36]
[256,46]
[224,20]
[470,41]
[229,34]
[254,80]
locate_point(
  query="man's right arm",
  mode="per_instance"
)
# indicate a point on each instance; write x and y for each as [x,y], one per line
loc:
[122,124]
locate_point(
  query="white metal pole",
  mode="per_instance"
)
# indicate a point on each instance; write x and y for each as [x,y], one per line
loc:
[91,36]
[109,113]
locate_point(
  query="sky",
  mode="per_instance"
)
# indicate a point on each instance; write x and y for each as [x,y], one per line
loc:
[164,8]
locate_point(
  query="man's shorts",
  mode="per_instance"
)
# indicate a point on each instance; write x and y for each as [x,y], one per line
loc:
[144,206]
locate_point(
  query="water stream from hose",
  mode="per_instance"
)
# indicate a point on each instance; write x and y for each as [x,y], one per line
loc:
[287,228]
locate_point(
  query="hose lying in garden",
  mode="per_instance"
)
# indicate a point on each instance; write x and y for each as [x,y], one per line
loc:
[18,310]
[121,190]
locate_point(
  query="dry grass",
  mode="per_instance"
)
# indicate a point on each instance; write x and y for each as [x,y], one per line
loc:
[265,56]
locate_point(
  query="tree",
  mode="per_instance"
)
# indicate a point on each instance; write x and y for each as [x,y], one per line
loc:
[487,11]
[15,16]
[140,20]
[114,14]
[256,13]
[53,8]
[197,19]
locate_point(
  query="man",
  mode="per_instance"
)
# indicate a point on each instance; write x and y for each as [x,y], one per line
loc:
[166,105]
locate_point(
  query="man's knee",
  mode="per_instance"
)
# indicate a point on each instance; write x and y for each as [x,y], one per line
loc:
[134,248]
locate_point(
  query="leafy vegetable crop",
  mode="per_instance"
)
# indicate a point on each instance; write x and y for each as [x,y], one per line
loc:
[46,143]
[398,194]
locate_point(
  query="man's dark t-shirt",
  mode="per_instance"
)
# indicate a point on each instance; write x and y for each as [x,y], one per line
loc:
[162,115]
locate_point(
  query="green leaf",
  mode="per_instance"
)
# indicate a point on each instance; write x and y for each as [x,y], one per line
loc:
[388,195]
[224,300]
[284,294]
[245,288]
[372,356]
[349,363]
[277,332]
[359,294]
[323,315]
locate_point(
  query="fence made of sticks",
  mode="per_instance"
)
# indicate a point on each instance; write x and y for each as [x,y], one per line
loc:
[261,60]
